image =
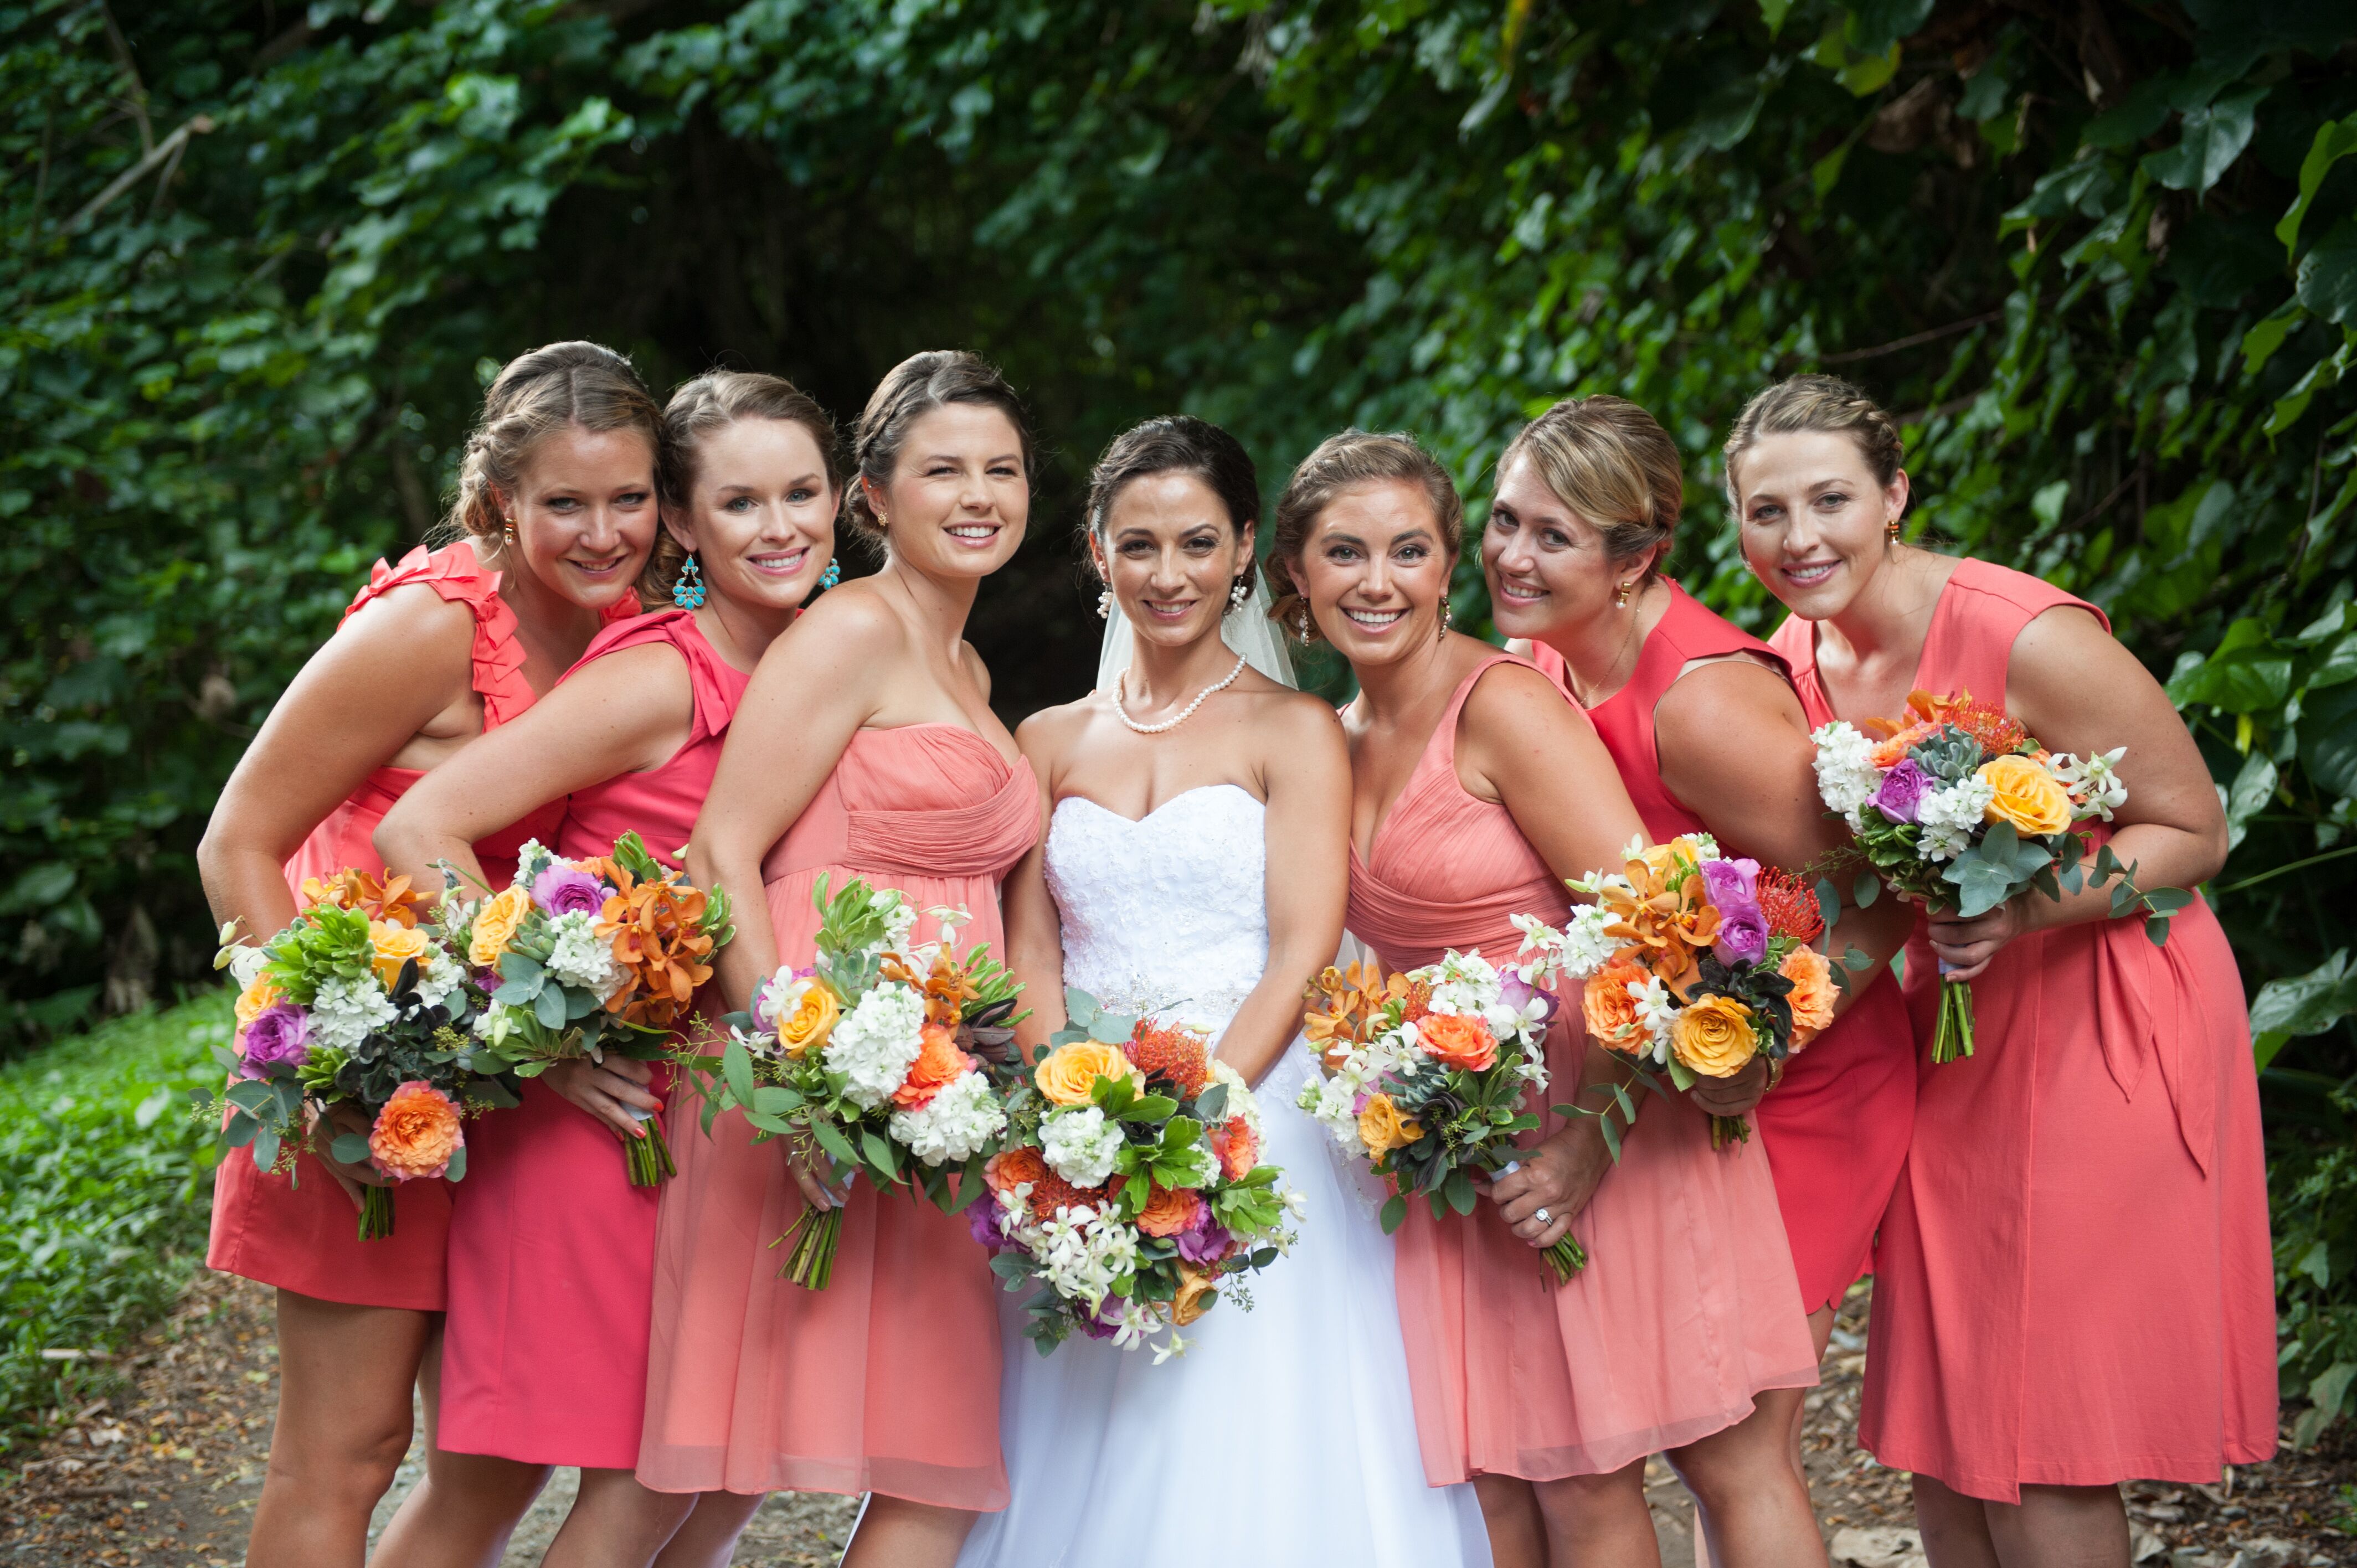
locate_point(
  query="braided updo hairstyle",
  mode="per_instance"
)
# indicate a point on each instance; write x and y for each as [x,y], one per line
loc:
[1353,457]
[1179,444]
[1613,463]
[1817,403]
[910,390]
[533,396]
[712,402]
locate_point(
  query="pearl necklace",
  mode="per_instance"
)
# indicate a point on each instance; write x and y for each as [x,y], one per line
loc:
[1121,703]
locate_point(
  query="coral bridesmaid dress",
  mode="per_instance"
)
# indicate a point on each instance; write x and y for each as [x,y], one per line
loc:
[888,1379]
[2074,1284]
[1688,1307]
[552,1249]
[300,1233]
[1835,1129]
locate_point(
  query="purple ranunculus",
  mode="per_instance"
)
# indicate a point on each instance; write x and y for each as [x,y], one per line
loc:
[1731,883]
[280,1035]
[1742,934]
[564,889]
[1205,1242]
[1519,993]
[1900,798]
[984,1220]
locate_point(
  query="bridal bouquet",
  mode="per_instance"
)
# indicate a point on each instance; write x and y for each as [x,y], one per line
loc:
[593,956]
[355,1002]
[1426,1072]
[862,1060]
[1695,962]
[1955,807]
[1131,1185]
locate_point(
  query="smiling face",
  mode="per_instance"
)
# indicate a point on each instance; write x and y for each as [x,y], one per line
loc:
[1814,517]
[959,496]
[1546,565]
[1374,568]
[761,515]
[1170,553]
[584,512]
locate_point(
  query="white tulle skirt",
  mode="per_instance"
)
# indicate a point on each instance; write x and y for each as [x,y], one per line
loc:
[1285,1436]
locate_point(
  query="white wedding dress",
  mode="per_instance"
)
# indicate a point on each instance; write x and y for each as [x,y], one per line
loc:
[1284,1437]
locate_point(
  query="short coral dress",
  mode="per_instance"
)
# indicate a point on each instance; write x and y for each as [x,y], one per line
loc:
[2074,1284]
[1688,1307]
[552,1249]
[300,1233]
[1835,1129]
[888,1379]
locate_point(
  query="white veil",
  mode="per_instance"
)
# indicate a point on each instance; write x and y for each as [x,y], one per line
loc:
[1248,631]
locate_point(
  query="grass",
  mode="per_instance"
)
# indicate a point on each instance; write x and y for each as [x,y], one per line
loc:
[105,1187]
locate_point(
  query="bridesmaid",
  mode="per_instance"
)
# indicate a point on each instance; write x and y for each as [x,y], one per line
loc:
[2073,1285]
[555,513]
[869,750]
[552,1250]
[1476,791]
[1704,725]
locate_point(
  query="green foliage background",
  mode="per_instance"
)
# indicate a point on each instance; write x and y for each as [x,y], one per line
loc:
[2101,257]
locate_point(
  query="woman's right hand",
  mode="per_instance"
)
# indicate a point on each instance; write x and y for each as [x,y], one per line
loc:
[607,1092]
[814,1189]
[340,1118]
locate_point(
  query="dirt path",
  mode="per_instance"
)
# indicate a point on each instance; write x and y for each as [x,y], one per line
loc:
[166,1476]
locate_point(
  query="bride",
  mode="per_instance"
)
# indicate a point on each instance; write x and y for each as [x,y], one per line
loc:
[1196,858]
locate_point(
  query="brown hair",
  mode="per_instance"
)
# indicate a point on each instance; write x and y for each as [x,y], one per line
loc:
[712,402]
[1817,403]
[533,396]
[1180,444]
[1353,457]
[1613,463]
[910,390]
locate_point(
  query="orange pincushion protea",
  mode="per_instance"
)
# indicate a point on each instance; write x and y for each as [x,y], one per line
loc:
[1178,1054]
[1664,916]
[1052,1192]
[1791,907]
[387,897]
[659,942]
[1927,712]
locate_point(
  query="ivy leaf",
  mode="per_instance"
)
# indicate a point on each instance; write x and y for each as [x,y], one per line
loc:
[2335,139]
[2210,139]
[2328,274]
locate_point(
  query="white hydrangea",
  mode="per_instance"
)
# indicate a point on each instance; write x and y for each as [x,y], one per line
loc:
[438,976]
[875,1043]
[956,1124]
[1080,1146]
[1846,776]
[1949,817]
[1240,1100]
[581,959]
[345,1010]
[2095,788]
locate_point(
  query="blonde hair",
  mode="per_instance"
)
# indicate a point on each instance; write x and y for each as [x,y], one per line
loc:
[533,396]
[1613,463]
[1817,403]
[1353,457]
[712,402]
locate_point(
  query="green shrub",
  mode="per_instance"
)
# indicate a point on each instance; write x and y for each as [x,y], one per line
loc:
[2313,1186]
[105,1182]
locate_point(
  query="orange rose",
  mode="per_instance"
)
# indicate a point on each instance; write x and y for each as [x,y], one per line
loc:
[1005,1171]
[395,946]
[1609,1009]
[1196,1294]
[1068,1072]
[1382,1127]
[1715,1036]
[495,926]
[1813,992]
[1238,1147]
[1458,1041]
[416,1132]
[1169,1211]
[257,999]
[2026,795]
[938,1062]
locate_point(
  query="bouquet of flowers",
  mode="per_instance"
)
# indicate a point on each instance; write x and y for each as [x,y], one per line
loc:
[862,1060]
[1955,807]
[1426,1072]
[1695,962]
[591,956]
[1131,1185]
[355,1002]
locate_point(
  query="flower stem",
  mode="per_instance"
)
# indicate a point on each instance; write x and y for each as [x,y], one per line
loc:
[1566,1258]
[649,1158]
[1729,1130]
[810,1247]
[1953,1040]
[376,1213]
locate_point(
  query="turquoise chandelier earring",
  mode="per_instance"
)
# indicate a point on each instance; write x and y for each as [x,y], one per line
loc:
[834,575]
[688,592]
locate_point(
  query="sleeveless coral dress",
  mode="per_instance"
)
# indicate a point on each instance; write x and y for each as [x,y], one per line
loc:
[2074,1284]
[888,1379]
[1835,1129]
[299,1232]
[1688,1307]
[552,1249]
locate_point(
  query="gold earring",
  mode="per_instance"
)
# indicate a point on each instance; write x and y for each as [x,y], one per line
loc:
[508,531]
[1890,531]
[1620,595]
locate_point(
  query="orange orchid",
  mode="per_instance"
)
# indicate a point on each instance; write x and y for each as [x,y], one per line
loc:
[1664,917]
[384,896]
[659,942]
[1345,1005]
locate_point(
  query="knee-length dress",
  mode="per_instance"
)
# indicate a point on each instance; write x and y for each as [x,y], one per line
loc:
[299,1232]
[1835,1130]
[2074,1284]
[888,1379]
[552,1249]
[1688,1307]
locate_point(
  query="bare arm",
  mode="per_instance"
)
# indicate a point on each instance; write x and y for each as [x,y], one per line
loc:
[1035,928]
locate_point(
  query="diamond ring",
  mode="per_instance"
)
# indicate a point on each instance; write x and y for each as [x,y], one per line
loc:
[1543,1216]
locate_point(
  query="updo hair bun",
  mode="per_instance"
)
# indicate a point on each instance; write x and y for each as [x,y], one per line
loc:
[1817,403]
[1179,444]
[1609,461]
[712,402]
[1342,461]
[579,384]
[910,390]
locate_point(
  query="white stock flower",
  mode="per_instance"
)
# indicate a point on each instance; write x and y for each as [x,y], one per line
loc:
[875,1042]
[438,976]
[532,860]
[581,958]
[1080,1146]
[1848,778]
[1949,817]
[344,1010]
[956,1124]
[1585,949]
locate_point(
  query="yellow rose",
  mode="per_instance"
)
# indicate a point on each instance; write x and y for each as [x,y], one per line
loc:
[1068,1072]
[395,946]
[1812,994]
[1382,1129]
[256,998]
[495,926]
[1714,1036]
[2027,796]
[1188,1305]
[811,1022]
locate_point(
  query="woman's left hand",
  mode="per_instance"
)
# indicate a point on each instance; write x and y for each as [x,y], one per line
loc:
[1965,947]
[1733,1096]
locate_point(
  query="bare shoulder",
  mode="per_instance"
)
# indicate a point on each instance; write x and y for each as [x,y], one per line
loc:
[1726,698]
[1510,695]
[1050,735]
[651,671]
[2064,631]
[851,621]
[2064,664]
[1289,720]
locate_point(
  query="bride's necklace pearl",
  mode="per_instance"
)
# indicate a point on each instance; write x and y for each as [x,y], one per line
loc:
[1121,701]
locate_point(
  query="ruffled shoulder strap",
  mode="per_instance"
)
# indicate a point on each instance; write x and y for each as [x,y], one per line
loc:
[718,686]
[454,574]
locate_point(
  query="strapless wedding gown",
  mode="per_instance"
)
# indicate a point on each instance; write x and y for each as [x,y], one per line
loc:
[1285,1435]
